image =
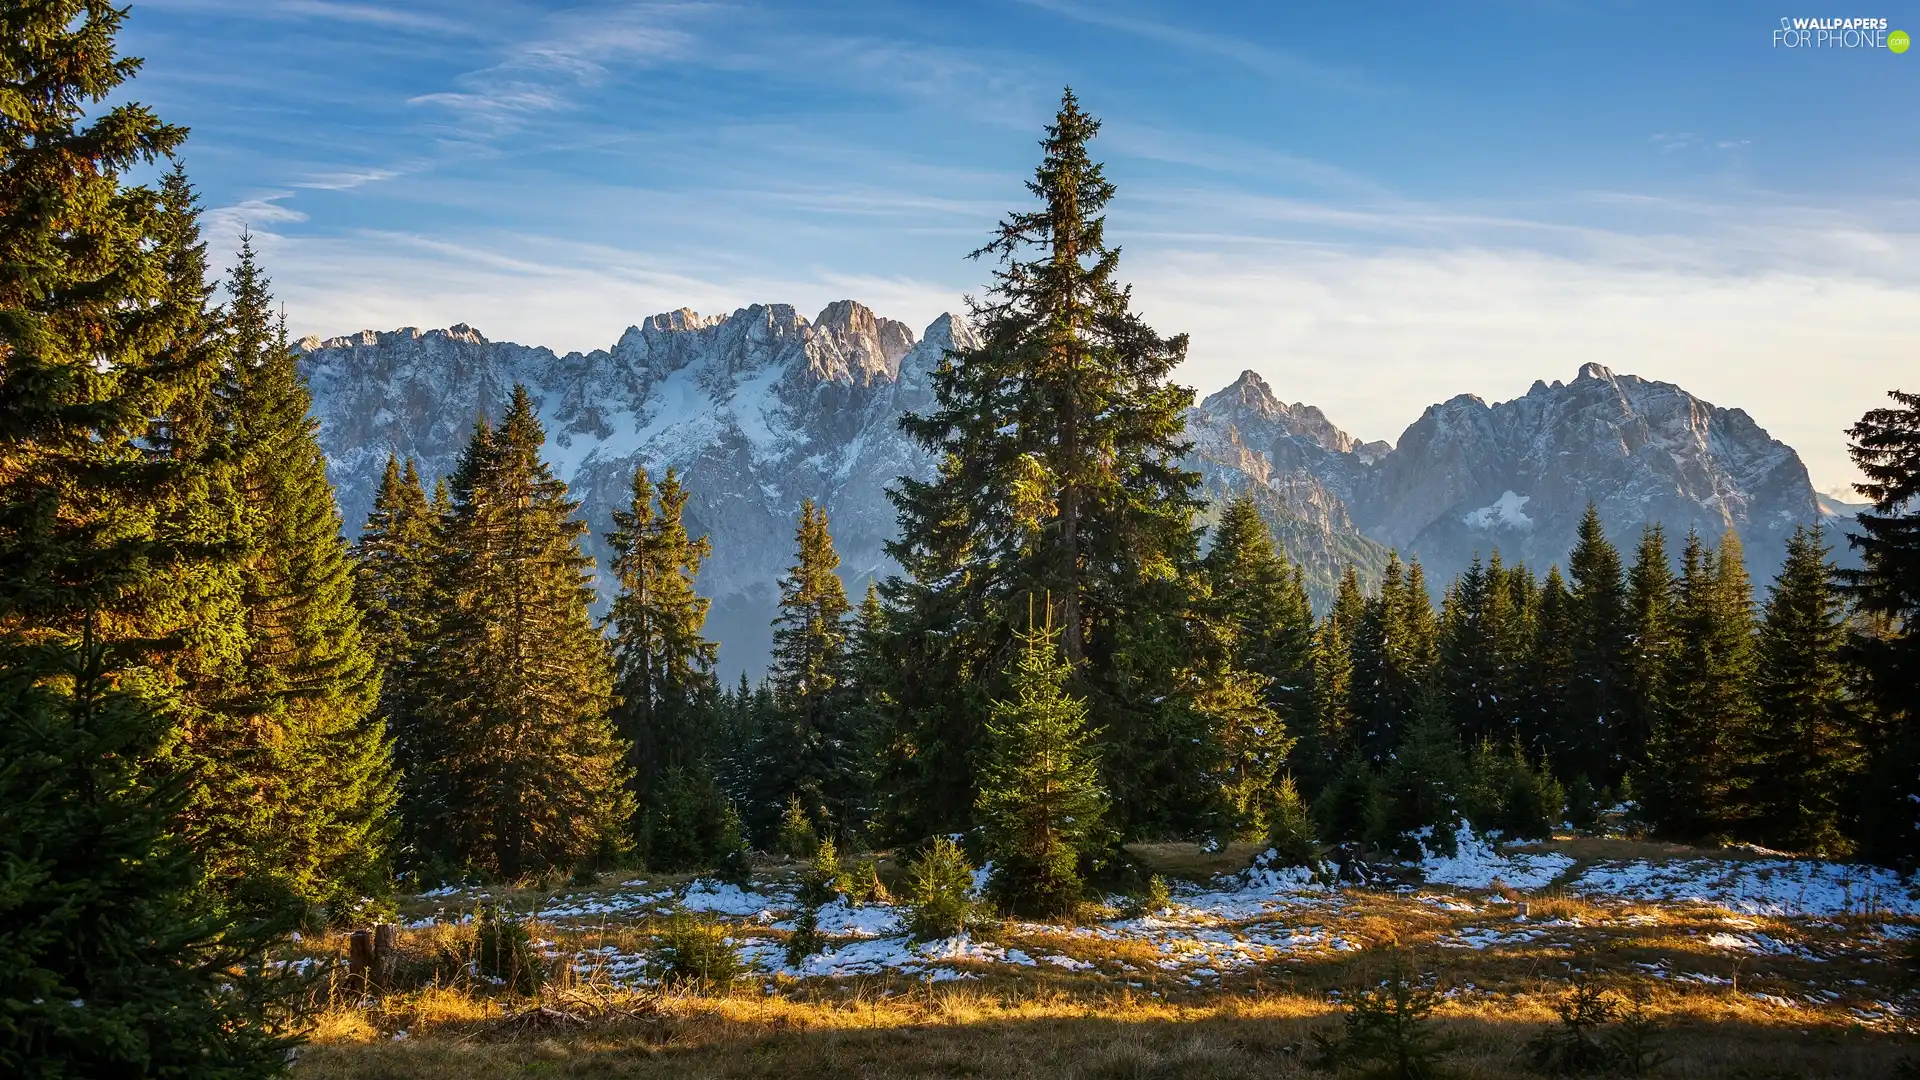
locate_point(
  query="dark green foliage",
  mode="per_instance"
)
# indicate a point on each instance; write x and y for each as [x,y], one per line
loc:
[294,785]
[506,954]
[109,964]
[1808,743]
[529,771]
[1290,831]
[824,880]
[695,951]
[939,893]
[814,750]
[1577,1047]
[1886,590]
[805,939]
[1545,725]
[1508,793]
[734,860]
[1650,591]
[1479,671]
[1261,599]
[1387,1031]
[798,838]
[1332,740]
[663,667]
[1698,776]
[1394,649]
[1352,804]
[1422,789]
[689,825]
[1040,798]
[1596,705]
[393,586]
[118,600]
[1059,438]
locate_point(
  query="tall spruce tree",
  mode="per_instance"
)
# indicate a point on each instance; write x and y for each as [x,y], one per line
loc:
[529,772]
[1060,439]
[1333,735]
[1597,701]
[300,784]
[1808,740]
[663,665]
[1394,651]
[1261,598]
[1698,758]
[1548,730]
[1040,795]
[393,584]
[1886,591]
[106,967]
[815,750]
[1650,595]
[1473,666]
[109,962]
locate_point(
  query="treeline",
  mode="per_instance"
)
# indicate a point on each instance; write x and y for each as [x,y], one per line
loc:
[218,722]
[1066,650]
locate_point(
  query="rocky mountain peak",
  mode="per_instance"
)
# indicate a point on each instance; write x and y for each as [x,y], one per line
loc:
[870,347]
[762,408]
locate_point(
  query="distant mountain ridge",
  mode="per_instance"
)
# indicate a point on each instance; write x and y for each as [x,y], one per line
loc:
[762,408]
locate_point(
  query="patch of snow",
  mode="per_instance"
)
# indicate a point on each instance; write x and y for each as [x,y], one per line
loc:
[723,898]
[1477,865]
[1769,887]
[1506,511]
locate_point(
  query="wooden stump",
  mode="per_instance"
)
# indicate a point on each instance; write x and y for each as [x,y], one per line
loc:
[384,935]
[360,959]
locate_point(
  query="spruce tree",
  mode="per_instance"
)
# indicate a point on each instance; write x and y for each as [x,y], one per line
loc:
[1650,593]
[1262,598]
[1885,590]
[297,781]
[530,772]
[1060,440]
[1597,701]
[1332,739]
[110,964]
[1040,795]
[1698,758]
[107,968]
[816,753]
[394,587]
[1807,745]
[1394,652]
[1475,666]
[1548,730]
[663,665]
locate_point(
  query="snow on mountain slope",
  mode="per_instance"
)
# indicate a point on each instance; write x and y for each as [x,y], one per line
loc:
[762,408]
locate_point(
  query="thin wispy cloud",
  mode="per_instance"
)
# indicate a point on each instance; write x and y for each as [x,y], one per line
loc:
[1265,60]
[1377,221]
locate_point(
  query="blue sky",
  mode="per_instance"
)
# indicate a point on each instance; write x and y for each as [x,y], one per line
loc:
[1375,206]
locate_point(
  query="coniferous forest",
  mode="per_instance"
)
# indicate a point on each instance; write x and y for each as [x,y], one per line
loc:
[225,720]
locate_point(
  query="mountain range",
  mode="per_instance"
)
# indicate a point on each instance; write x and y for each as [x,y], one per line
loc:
[763,408]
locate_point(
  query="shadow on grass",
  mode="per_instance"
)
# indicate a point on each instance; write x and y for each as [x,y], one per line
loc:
[1236,1039]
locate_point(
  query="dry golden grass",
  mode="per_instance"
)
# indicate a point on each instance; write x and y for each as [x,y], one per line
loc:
[1092,1025]
[1180,859]
[984,1032]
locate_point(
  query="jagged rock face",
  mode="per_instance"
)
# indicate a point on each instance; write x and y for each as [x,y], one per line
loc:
[757,410]
[1302,471]
[1467,477]
[1519,474]
[761,409]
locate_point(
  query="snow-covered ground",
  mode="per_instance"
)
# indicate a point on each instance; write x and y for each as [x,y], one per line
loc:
[1266,915]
